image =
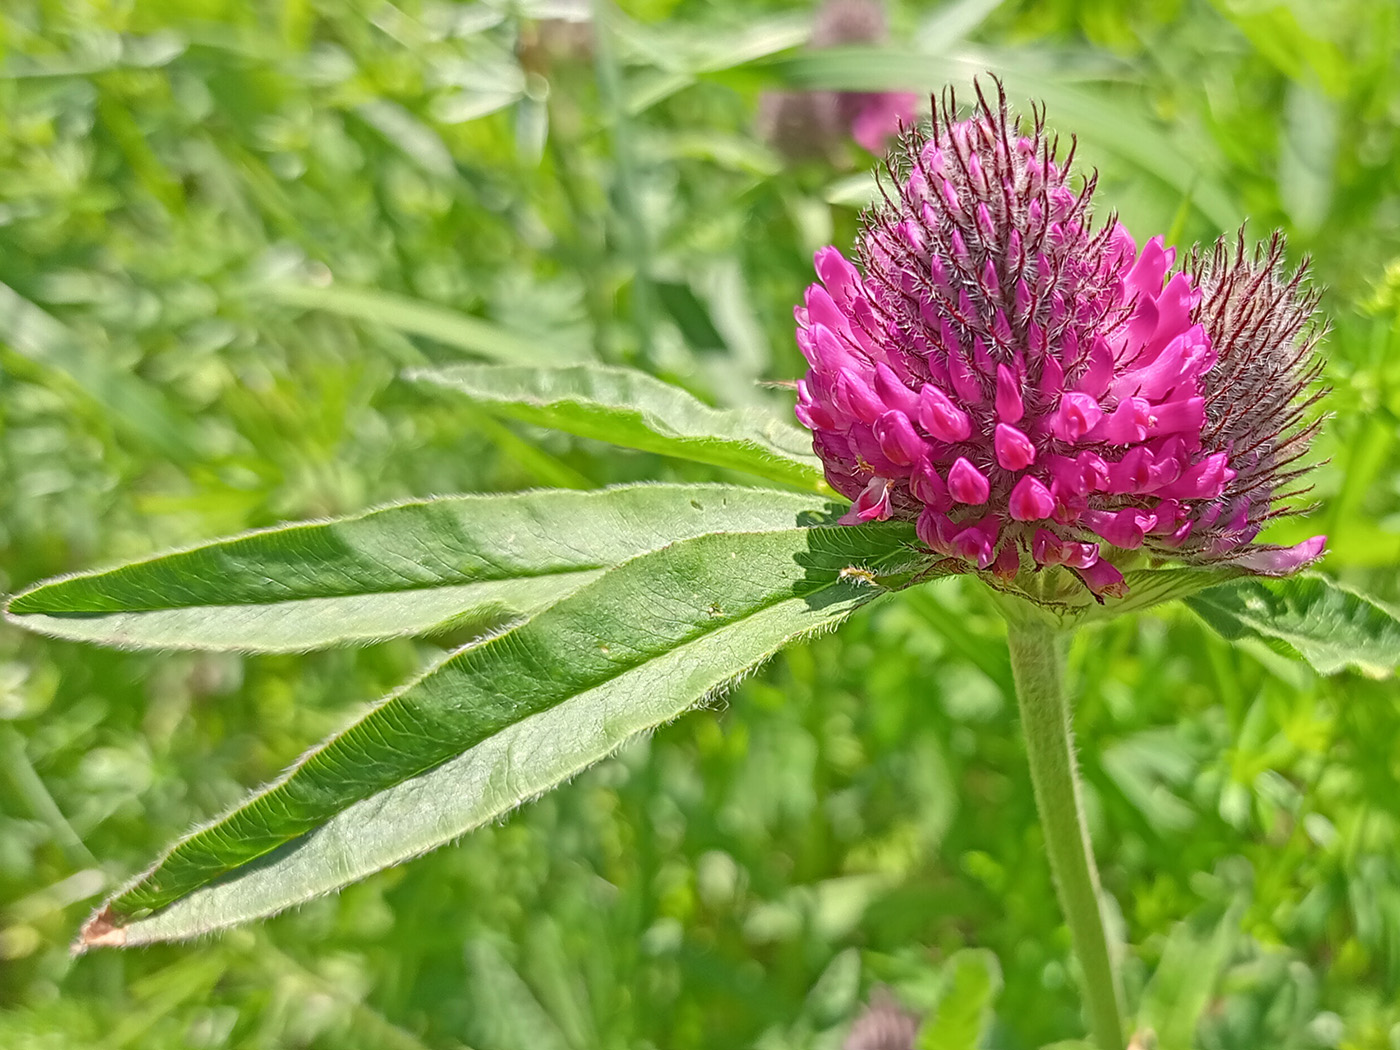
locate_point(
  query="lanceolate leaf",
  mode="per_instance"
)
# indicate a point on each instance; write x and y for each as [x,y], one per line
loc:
[507,718]
[1328,625]
[456,561]
[636,410]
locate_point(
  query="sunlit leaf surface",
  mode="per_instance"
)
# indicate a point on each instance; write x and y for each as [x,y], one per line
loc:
[504,719]
[1330,626]
[453,562]
[635,410]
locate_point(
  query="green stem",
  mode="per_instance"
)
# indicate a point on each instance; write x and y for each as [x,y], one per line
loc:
[1045,720]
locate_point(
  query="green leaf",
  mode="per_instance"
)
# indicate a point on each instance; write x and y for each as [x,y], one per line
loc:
[419,142]
[507,1014]
[414,317]
[964,1012]
[636,410]
[506,718]
[1330,626]
[453,562]
[1195,956]
[133,405]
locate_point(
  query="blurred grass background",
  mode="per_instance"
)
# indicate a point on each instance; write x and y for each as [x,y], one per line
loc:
[197,198]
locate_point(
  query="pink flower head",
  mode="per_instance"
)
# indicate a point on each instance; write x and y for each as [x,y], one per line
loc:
[1020,382]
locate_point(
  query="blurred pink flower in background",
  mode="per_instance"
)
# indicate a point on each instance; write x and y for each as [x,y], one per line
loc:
[810,124]
[878,116]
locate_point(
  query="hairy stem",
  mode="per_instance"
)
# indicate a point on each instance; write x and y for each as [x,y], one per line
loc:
[1045,719]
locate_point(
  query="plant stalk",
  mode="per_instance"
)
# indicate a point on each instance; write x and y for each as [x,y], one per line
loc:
[1045,720]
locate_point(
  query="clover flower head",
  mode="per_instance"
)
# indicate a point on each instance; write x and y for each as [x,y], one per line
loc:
[1032,388]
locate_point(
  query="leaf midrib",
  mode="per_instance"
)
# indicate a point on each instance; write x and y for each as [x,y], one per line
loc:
[15,614]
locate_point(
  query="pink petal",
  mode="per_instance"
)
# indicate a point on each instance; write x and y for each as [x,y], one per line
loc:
[1049,549]
[1145,278]
[926,485]
[940,417]
[936,530]
[1204,480]
[822,309]
[1077,414]
[894,393]
[828,352]
[1170,514]
[965,382]
[1132,473]
[814,416]
[842,279]
[1031,500]
[873,504]
[1186,415]
[898,441]
[1125,425]
[1014,450]
[854,395]
[1099,374]
[1052,376]
[1008,400]
[1104,579]
[1279,561]
[1125,528]
[1007,563]
[976,543]
[966,483]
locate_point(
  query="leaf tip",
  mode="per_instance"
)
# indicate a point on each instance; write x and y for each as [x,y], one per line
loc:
[101,931]
[13,606]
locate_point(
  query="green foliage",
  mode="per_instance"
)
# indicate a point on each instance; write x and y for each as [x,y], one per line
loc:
[1179,994]
[634,410]
[453,563]
[961,1018]
[507,718]
[1330,626]
[197,197]
[411,317]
